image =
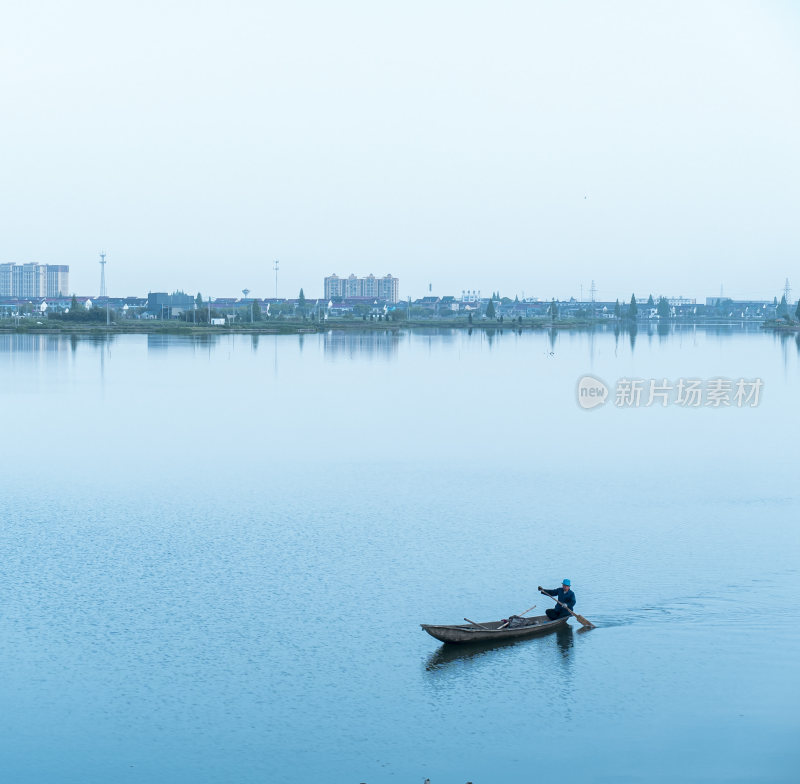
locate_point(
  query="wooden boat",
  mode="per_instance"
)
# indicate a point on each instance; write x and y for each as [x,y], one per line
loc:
[471,633]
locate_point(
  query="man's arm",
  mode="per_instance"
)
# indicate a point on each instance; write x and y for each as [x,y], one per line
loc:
[549,593]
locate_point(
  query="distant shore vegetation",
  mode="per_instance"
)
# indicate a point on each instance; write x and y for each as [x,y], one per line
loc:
[181,312]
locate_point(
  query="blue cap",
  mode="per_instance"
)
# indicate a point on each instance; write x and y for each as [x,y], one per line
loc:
[565,582]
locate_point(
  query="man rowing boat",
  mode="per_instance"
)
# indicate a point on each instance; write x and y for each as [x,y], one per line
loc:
[565,595]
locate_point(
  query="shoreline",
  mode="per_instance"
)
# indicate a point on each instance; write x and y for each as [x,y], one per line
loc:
[305,328]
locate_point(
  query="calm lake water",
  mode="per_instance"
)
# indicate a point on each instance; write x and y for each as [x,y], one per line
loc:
[216,555]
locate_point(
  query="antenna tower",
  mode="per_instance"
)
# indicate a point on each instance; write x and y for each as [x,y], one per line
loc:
[103,292]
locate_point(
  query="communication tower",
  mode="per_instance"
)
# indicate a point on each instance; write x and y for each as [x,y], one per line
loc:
[103,292]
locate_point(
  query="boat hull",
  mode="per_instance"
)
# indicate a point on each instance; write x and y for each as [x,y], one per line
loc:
[467,633]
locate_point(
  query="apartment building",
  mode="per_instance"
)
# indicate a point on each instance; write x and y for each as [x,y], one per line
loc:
[385,288]
[32,280]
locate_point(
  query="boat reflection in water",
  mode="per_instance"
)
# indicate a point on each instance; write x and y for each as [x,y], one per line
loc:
[445,655]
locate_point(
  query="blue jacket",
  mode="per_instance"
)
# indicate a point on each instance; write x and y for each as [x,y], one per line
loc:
[567,598]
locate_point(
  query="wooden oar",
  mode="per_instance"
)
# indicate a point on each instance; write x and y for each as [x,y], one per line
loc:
[518,616]
[485,628]
[581,619]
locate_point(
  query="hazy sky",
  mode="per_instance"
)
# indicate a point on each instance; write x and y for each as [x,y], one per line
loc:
[519,146]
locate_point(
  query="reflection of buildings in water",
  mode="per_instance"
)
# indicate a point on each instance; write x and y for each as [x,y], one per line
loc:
[22,343]
[370,344]
[162,341]
[157,342]
[443,335]
[432,336]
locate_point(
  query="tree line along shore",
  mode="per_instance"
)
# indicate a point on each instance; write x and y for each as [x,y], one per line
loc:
[294,327]
[297,316]
[187,313]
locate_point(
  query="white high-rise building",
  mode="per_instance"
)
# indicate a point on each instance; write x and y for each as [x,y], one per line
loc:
[6,271]
[32,280]
[57,280]
[389,288]
[385,288]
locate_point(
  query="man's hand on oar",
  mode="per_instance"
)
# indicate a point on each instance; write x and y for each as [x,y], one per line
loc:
[580,618]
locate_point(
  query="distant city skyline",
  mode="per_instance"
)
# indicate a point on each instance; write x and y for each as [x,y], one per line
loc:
[55,281]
